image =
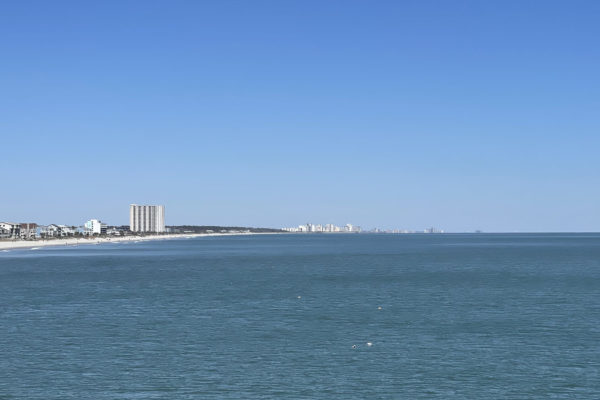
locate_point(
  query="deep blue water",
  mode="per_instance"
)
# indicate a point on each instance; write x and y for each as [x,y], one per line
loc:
[462,317]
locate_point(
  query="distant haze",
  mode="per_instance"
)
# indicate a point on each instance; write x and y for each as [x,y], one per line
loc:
[459,115]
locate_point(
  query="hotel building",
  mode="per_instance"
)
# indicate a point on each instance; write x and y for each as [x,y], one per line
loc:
[94,227]
[146,218]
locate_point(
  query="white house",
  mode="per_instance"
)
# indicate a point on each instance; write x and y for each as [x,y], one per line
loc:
[51,230]
[9,230]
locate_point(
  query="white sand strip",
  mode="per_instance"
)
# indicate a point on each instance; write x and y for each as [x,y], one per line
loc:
[19,244]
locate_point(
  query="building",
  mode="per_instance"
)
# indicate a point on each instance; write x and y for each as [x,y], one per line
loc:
[57,231]
[95,227]
[51,230]
[114,231]
[68,230]
[328,228]
[4,233]
[352,228]
[9,230]
[146,218]
[29,230]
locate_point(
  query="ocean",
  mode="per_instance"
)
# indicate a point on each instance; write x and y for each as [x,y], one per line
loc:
[316,316]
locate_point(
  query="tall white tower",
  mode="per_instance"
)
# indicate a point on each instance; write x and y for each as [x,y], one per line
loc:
[146,218]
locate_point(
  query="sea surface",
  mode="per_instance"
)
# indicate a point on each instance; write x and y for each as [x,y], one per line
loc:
[452,316]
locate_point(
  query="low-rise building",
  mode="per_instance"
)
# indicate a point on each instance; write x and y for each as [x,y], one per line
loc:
[50,231]
[9,230]
[114,231]
[57,231]
[29,230]
[66,230]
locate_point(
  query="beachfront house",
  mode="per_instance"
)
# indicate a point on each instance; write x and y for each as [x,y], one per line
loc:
[113,231]
[54,230]
[66,230]
[9,230]
[49,231]
[29,230]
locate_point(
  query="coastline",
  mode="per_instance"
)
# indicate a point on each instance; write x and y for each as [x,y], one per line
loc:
[34,244]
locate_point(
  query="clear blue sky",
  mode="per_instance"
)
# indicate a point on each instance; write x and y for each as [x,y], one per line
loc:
[461,115]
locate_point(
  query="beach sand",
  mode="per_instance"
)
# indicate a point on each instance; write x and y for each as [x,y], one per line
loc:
[21,244]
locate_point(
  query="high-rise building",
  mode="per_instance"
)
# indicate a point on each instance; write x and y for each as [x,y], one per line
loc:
[146,218]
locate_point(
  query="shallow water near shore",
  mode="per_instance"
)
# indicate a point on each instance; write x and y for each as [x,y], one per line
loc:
[486,316]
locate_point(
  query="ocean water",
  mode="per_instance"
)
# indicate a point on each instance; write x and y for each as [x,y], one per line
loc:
[485,316]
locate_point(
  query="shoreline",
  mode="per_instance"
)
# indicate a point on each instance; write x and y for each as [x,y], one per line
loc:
[34,244]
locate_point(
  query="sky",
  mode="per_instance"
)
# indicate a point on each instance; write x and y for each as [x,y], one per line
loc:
[463,115]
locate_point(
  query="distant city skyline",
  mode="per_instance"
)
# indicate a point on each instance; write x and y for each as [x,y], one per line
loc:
[397,115]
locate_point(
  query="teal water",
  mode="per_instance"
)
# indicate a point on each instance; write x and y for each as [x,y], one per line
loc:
[462,317]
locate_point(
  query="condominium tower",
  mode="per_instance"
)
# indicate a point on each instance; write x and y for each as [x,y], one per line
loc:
[146,218]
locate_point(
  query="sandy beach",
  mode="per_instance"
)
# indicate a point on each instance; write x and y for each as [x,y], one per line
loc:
[21,244]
